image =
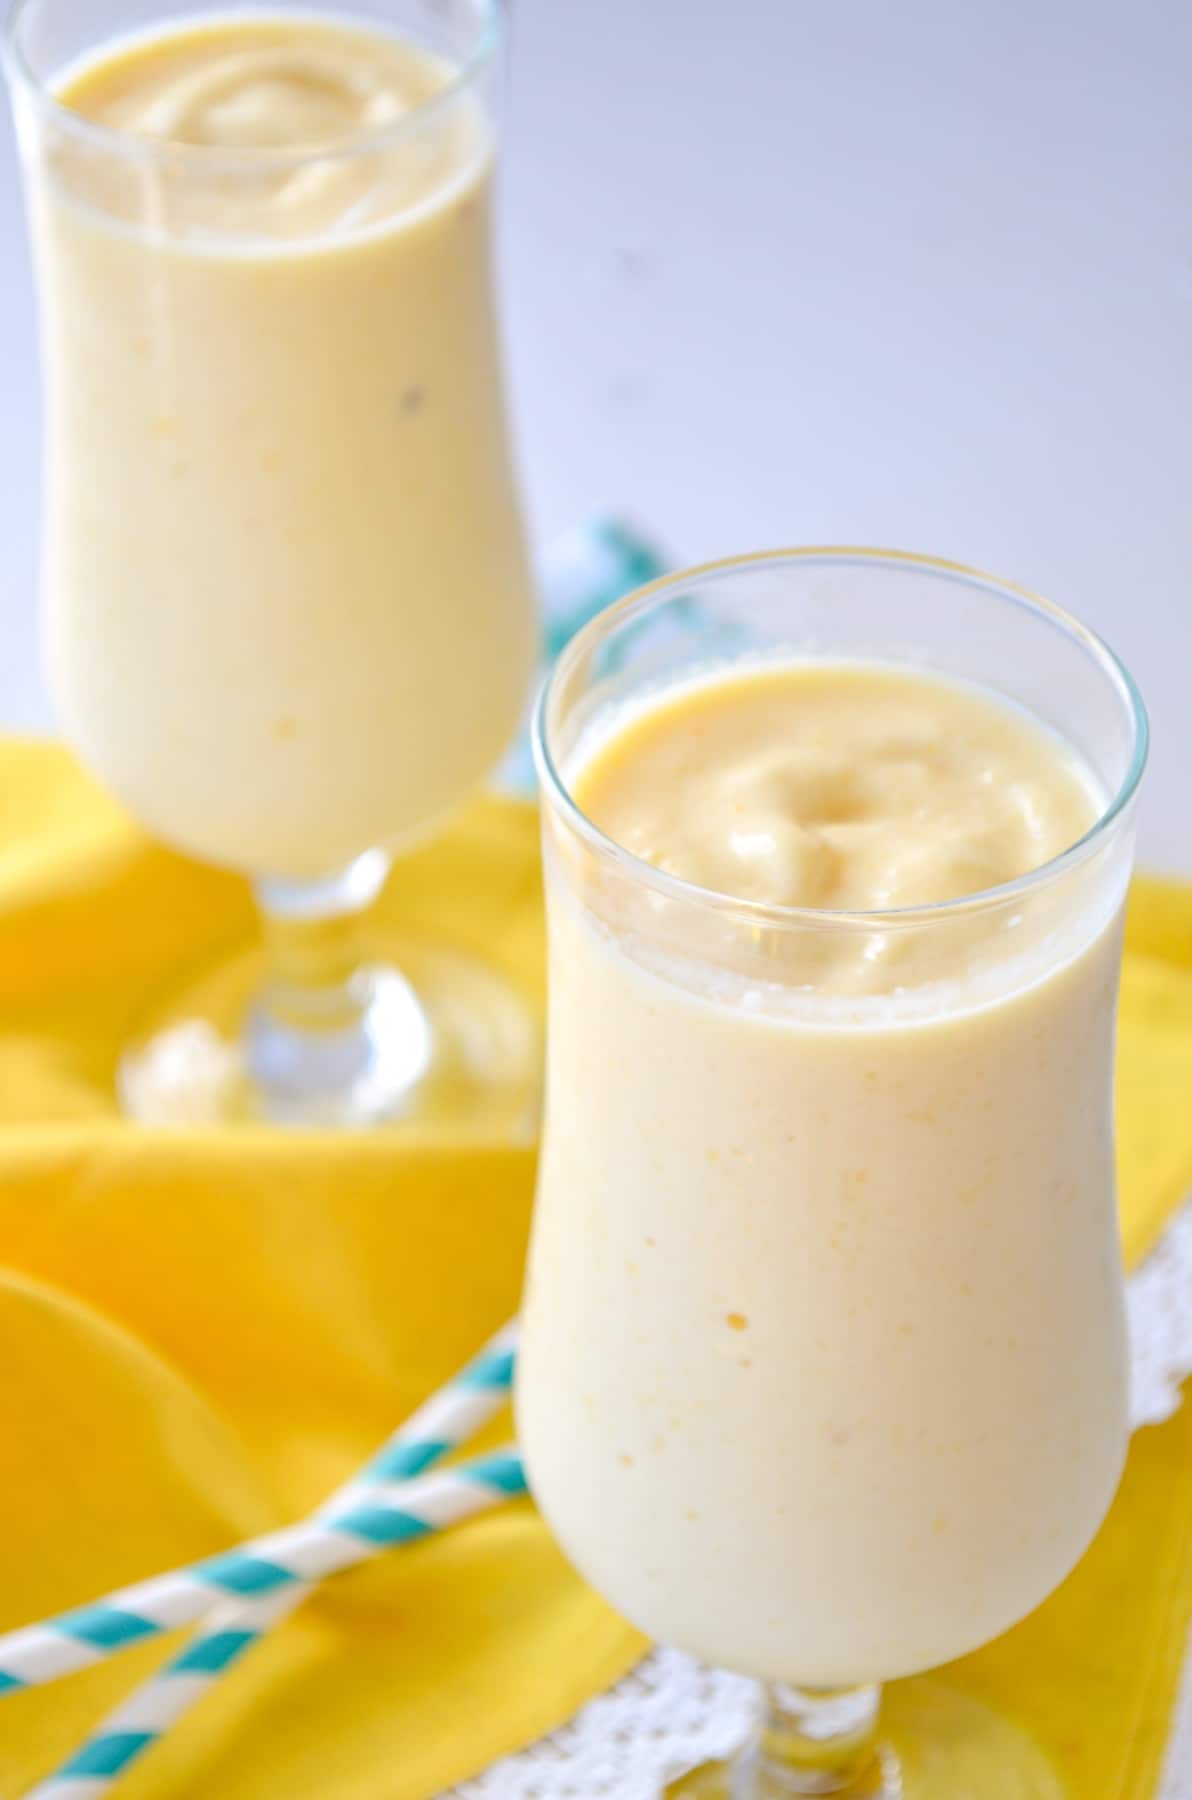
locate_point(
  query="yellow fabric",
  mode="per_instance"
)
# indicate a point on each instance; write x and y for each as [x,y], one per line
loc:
[199,1334]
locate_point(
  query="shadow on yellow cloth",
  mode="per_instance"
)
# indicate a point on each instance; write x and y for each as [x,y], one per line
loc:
[201,1334]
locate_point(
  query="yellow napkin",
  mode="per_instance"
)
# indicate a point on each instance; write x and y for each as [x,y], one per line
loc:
[199,1334]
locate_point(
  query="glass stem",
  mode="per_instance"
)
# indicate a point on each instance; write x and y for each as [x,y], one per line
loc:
[811,1741]
[331,1039]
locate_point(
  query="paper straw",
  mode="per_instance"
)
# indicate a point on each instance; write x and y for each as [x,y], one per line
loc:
[449,1418]
[133,1728]
[374,1521]
[363,1519]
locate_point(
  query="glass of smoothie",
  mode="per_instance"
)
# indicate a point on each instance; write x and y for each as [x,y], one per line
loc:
[824,1371]
[288,617]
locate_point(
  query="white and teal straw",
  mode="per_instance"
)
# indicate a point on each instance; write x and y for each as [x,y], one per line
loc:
[387,1504]
[449,1418]
[145,1718]
[369,1522]
[430,1502]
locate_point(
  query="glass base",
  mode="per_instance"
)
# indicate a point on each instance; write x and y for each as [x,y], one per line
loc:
[934,1743]
[740,1779]
[431,1037]
[808,1741]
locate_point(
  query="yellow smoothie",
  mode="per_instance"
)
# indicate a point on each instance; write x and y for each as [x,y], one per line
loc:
[288,610]
[824,1372]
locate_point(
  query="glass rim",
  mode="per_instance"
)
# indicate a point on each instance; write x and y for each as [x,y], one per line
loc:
[763,913]
[141,148]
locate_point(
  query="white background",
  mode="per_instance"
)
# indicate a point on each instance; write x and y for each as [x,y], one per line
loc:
[905,272]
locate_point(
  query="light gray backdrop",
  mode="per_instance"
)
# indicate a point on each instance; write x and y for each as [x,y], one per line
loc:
[781,271]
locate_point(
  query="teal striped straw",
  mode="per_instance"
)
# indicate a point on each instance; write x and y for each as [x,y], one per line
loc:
[392,1500]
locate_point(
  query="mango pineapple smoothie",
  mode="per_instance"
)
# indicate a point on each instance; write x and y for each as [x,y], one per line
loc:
[288,609]
[848,1206]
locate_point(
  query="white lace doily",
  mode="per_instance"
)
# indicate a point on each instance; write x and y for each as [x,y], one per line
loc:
[671,1713]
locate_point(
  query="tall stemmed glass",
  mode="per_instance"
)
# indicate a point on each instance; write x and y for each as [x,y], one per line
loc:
[288,618]
[824,1372]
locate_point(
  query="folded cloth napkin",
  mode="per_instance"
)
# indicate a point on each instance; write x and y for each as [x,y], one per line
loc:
[200,1334]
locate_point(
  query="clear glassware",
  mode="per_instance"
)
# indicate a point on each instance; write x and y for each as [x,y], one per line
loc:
[287,612]
[824,1372]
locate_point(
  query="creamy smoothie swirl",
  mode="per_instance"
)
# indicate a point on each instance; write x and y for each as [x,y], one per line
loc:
[841,786]
[847,787]
[265,98]
[253,88]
